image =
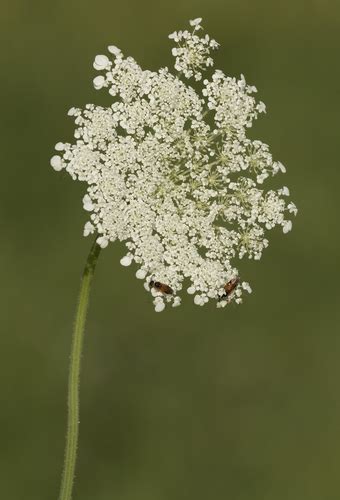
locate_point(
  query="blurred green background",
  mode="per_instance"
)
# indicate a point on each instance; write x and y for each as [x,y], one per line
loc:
[193,403]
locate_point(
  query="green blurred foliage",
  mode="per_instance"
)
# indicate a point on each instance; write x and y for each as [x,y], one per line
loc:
[194,403]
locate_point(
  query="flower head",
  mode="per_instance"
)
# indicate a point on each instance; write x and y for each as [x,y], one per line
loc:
[171,172]
[192,52]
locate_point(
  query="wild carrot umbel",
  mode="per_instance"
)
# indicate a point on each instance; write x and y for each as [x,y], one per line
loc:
[170,170]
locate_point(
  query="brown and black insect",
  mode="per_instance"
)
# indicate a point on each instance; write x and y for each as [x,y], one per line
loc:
[229,288]
[161,287]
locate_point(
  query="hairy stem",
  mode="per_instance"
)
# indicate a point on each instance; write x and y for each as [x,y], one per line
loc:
[73,381]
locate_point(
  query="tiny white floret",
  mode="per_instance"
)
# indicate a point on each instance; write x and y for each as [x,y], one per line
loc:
[98,82]
[221,303]
[176,302]
[246,287]
[292,208]
[101,62]
[114,50]
[195,22]
[102,241]
[281,167]
[87,203]
[56,163]
[287,226]
[88,228]
[140,274]
[198,300]
[159,307]
[60,146]
[262,177]
[126,261]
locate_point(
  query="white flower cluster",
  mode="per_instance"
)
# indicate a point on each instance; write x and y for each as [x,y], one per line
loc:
[192,53]
[171,172]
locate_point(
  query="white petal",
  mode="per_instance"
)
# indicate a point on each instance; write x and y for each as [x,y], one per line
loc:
[140,274]
[281,167]
[287,226]
[102,241]
[56,163]
[126,261]
[198,300]
[60,146]
[114,50]
[87,203]
[195,22]
[88,228]
[246,287]
[98,82]
[101,62]
[159,307]
[292,208]
[176,302]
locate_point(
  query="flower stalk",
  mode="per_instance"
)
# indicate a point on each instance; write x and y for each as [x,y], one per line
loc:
[74,373]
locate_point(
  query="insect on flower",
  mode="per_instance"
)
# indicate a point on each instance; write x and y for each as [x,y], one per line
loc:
[161,287]
[230,287]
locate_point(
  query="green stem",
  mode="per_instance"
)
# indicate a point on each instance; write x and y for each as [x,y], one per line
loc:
[73,381]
